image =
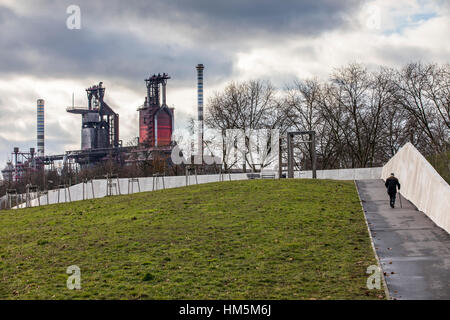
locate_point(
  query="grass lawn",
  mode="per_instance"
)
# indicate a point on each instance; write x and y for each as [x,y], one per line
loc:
[256,239]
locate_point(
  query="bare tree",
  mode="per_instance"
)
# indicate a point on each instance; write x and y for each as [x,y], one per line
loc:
[353,105]
[303,101]
[246,106]
[423,91]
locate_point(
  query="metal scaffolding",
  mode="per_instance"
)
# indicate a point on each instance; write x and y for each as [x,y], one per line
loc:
[290,145]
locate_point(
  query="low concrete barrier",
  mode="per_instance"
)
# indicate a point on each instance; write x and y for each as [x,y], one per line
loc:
[343,174]
[99,188]
[3,202]
[421,184]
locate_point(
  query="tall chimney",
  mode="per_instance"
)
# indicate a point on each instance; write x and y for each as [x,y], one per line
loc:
[40,128]
[164,93]
[200,68]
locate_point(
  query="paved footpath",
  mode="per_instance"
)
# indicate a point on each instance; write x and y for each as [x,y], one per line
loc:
[414,253]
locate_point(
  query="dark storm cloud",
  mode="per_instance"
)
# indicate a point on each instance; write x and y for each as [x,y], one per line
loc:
[45,47]
[243,18]
[39,43]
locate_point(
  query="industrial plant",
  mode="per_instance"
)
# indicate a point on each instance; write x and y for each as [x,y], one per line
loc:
[100,140]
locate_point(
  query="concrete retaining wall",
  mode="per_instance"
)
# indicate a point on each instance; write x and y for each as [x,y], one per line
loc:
[3,202]
[79,192]
[343,174]
[421,184]
[99,188]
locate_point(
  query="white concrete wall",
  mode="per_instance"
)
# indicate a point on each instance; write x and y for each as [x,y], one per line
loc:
[342,174]
[19,198]
[421,184]
[146,184]
[78,192]
[3,202]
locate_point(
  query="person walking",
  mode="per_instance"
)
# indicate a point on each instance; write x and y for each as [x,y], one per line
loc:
[391,184]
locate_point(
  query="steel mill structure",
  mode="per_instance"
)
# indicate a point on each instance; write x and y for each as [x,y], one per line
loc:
[23,163]
[100,131]
[156,120]
[99,123]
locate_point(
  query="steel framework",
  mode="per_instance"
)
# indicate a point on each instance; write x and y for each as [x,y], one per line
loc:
[311,141]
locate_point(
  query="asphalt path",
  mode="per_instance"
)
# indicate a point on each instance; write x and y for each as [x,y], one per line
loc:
[414,252]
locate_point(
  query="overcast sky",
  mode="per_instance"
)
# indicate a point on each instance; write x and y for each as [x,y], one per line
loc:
[123,42]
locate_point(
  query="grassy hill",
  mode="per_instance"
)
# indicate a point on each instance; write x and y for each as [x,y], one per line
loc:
[257,239]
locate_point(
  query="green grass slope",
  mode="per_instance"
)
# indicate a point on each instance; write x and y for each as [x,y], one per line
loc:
[257,239]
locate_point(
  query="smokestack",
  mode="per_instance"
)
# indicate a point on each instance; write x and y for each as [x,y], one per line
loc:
[200,68]
[40,128]
[164,93]
[16,172]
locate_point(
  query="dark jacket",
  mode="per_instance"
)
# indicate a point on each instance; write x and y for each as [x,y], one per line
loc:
[391,184]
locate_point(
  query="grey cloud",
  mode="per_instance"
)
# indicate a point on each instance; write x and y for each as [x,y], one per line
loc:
[44,48]
[400,55]
[241,18]
[39,43]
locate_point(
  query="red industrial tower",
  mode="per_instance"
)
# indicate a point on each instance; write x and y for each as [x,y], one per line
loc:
[156,120]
